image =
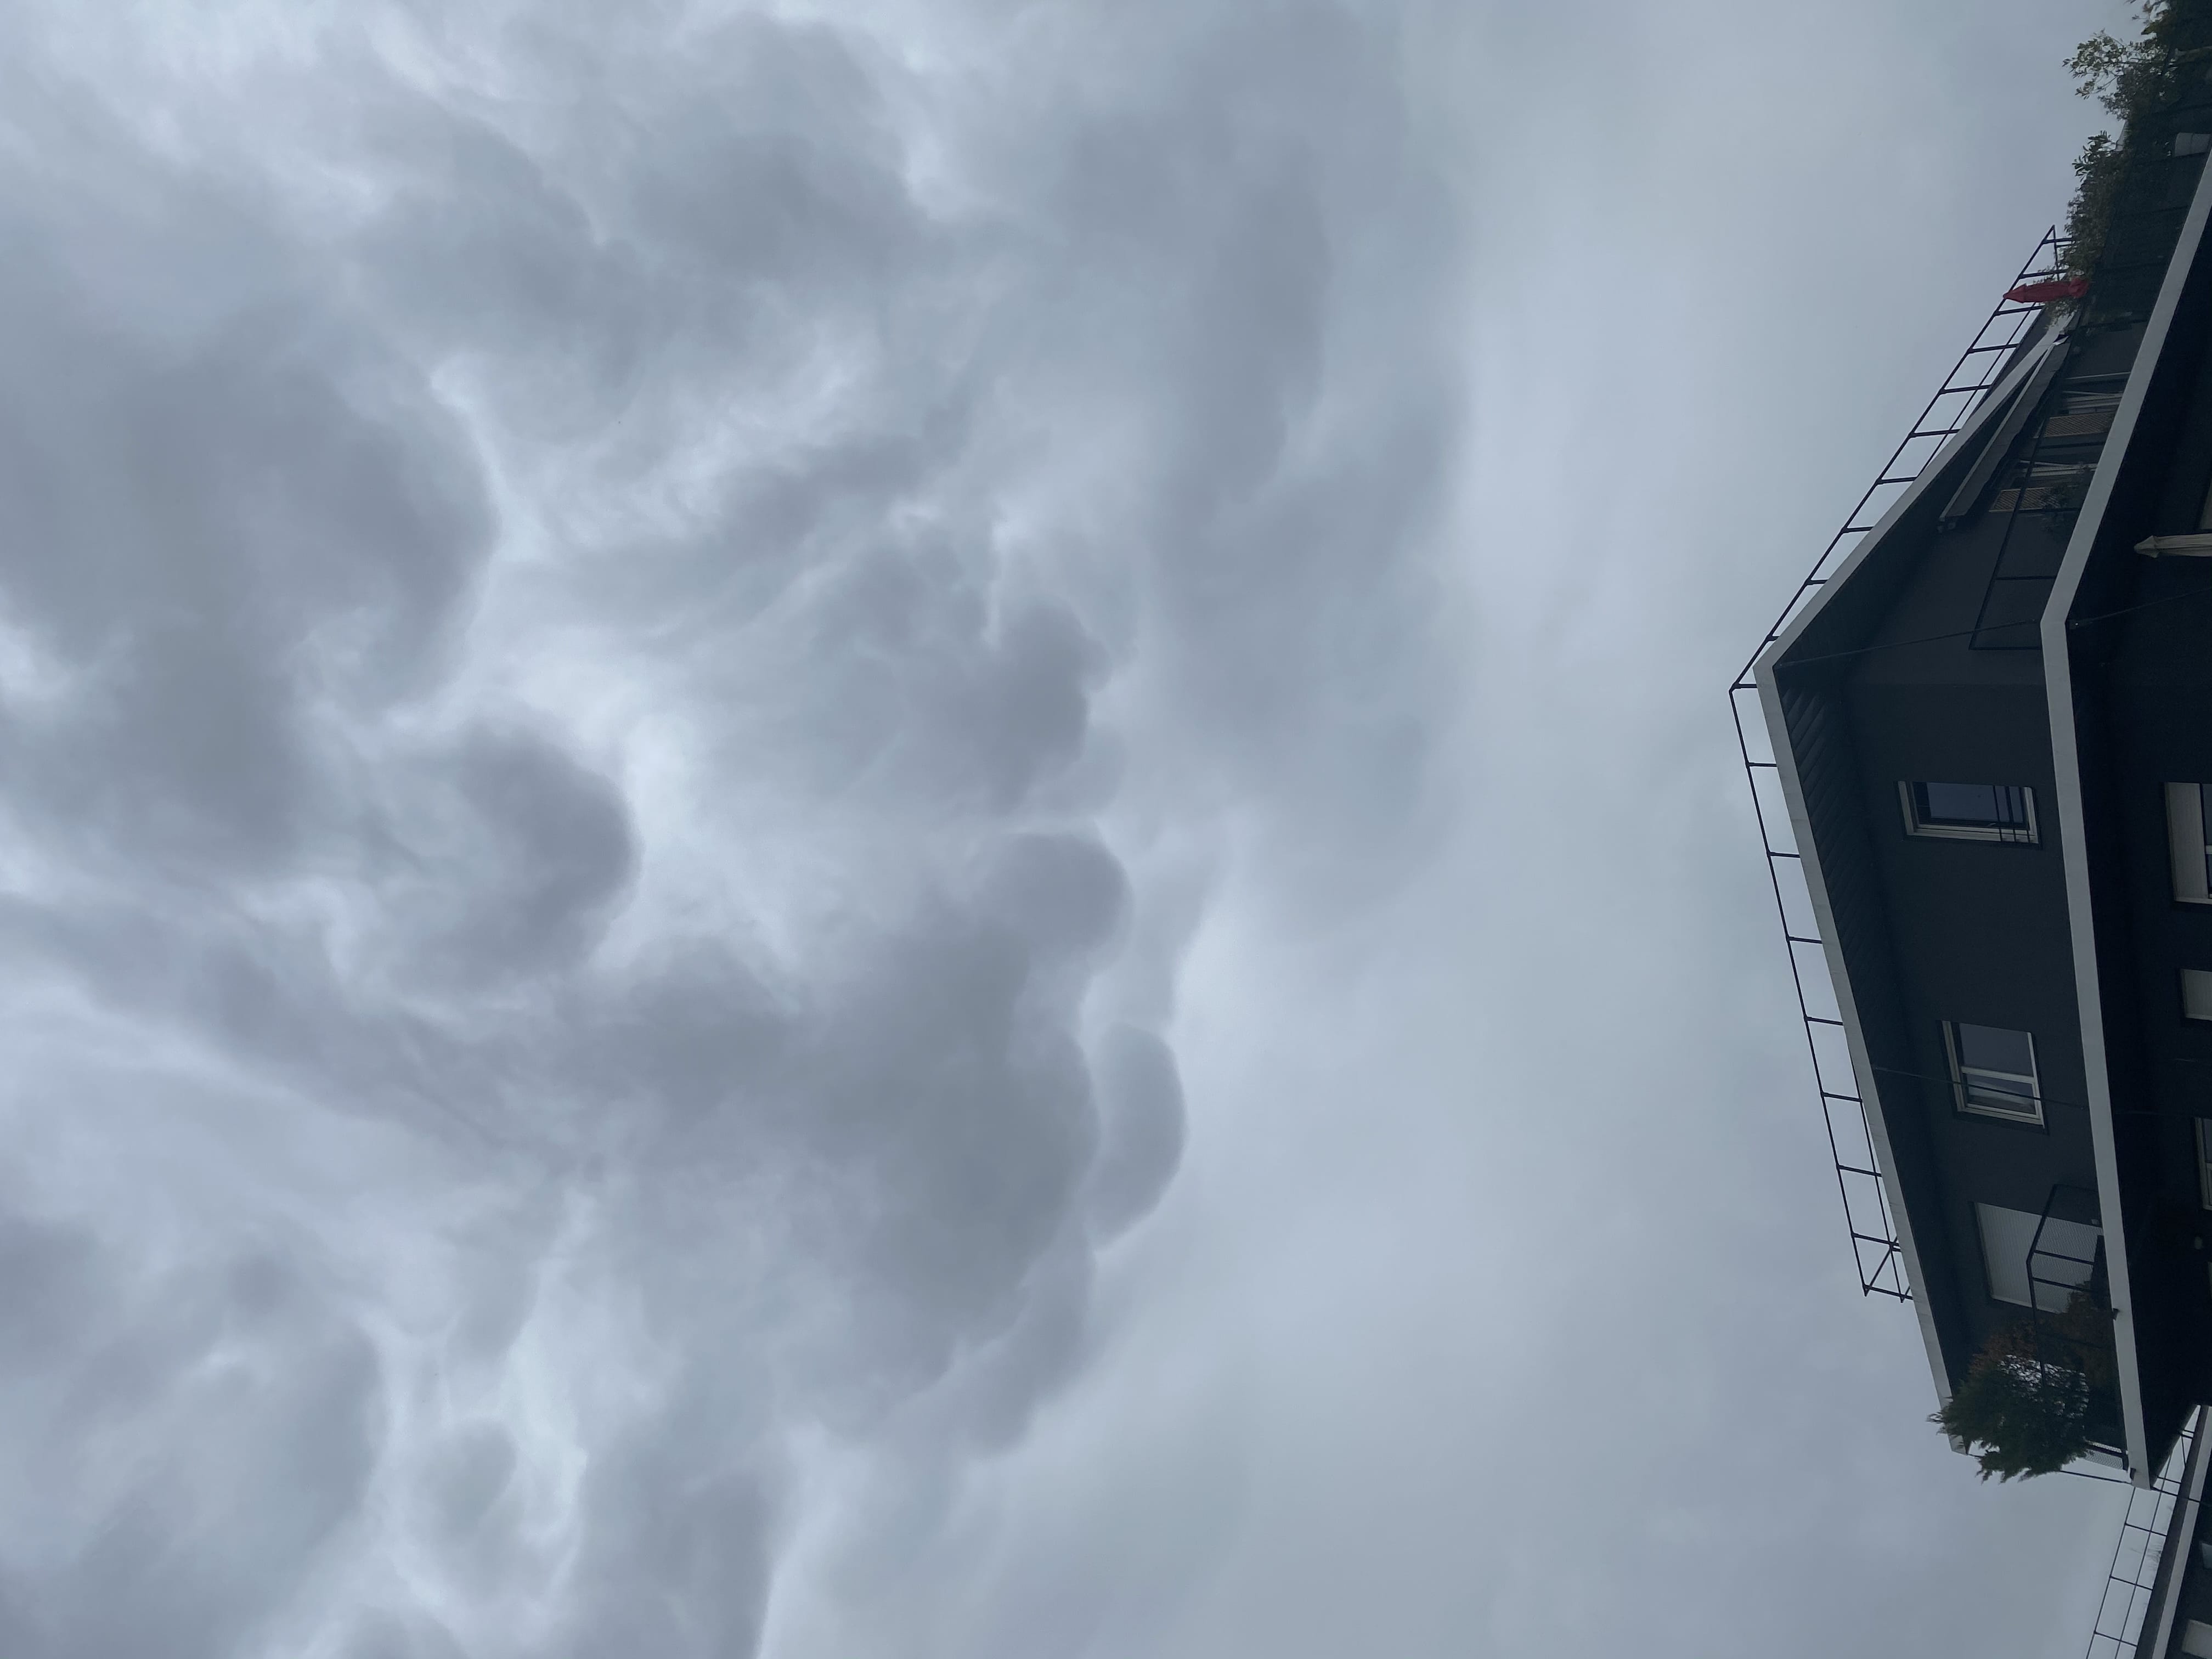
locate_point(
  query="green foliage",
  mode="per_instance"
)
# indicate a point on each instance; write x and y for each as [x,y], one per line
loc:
[2097,169]
[2128,77]
[2024,1407]
[2131,79]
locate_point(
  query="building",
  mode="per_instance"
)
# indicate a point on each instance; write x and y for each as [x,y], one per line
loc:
[2158,1598]
[1989,713]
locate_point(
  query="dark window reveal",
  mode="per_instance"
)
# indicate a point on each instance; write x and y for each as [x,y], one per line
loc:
[1969,812]
[2187,843]
[2197,994]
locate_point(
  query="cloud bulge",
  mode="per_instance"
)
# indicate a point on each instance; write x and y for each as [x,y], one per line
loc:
[630,647]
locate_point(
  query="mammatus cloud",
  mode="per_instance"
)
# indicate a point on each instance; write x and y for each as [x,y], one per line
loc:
[605,623]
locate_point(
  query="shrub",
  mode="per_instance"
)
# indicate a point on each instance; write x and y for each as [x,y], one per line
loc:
[2090,213]
[2024,1407]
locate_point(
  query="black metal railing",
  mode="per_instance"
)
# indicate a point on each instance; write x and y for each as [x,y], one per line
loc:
[2133,1577]
[2054,1273]
[2070,1307]
[2043,486]
[1843,1105]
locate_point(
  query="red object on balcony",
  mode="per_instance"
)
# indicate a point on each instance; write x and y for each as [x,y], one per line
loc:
[2051,288]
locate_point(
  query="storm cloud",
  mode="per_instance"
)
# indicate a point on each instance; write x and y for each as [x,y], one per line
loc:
[905,830]
[576,588]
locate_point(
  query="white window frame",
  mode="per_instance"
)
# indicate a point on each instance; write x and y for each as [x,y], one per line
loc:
[2029,837]
[1963,1076]
[2187,852]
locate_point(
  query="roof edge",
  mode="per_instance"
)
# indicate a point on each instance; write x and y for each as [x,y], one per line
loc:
[2157,1640]
[1847,1008]
[1991,408]
[2066,756]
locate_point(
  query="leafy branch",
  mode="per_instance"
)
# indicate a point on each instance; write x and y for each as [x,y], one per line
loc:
[2023,1408]
[2131,79]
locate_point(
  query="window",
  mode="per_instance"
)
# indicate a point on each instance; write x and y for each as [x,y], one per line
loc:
[1969,812]
[2196,994]
[2185,820]
[2204,1162]
[2191,144]
[1993,1072]
[2034,1272]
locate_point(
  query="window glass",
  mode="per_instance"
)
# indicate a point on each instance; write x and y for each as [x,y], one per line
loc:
[1969,812]
[1970,803]
[2031,1273]
[2204,1162]
[1994,1049]
[1993,1071]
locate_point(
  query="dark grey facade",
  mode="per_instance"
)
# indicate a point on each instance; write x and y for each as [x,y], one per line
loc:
[1975,724]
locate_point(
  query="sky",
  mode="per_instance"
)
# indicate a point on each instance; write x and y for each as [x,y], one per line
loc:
[908,830]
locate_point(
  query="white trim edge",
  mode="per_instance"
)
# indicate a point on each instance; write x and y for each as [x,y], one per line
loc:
[1992,406]
[2066,757]
[2183,1535]
[1847,1008]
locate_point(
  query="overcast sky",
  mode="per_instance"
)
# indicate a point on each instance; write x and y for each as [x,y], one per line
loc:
[908,830]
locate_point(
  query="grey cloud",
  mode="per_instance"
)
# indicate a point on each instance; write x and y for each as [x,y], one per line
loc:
[964,1118]
[500,853]
[780,168]
[569,797]
[745,203]
[914,690]
[196,1432]
[1260,293]
[1142,1105]
[1062,896]
[202,547]
[399,1636]
[675,1556]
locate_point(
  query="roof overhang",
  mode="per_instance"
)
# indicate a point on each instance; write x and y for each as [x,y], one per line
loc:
[2058,685]
[1993,410]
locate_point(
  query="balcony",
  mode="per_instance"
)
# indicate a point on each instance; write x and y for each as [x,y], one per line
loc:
[2069,1322]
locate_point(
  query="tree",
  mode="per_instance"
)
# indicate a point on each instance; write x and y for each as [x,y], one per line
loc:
[2088,215]
[2128,77]
[2131,79]
[2024,1407]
